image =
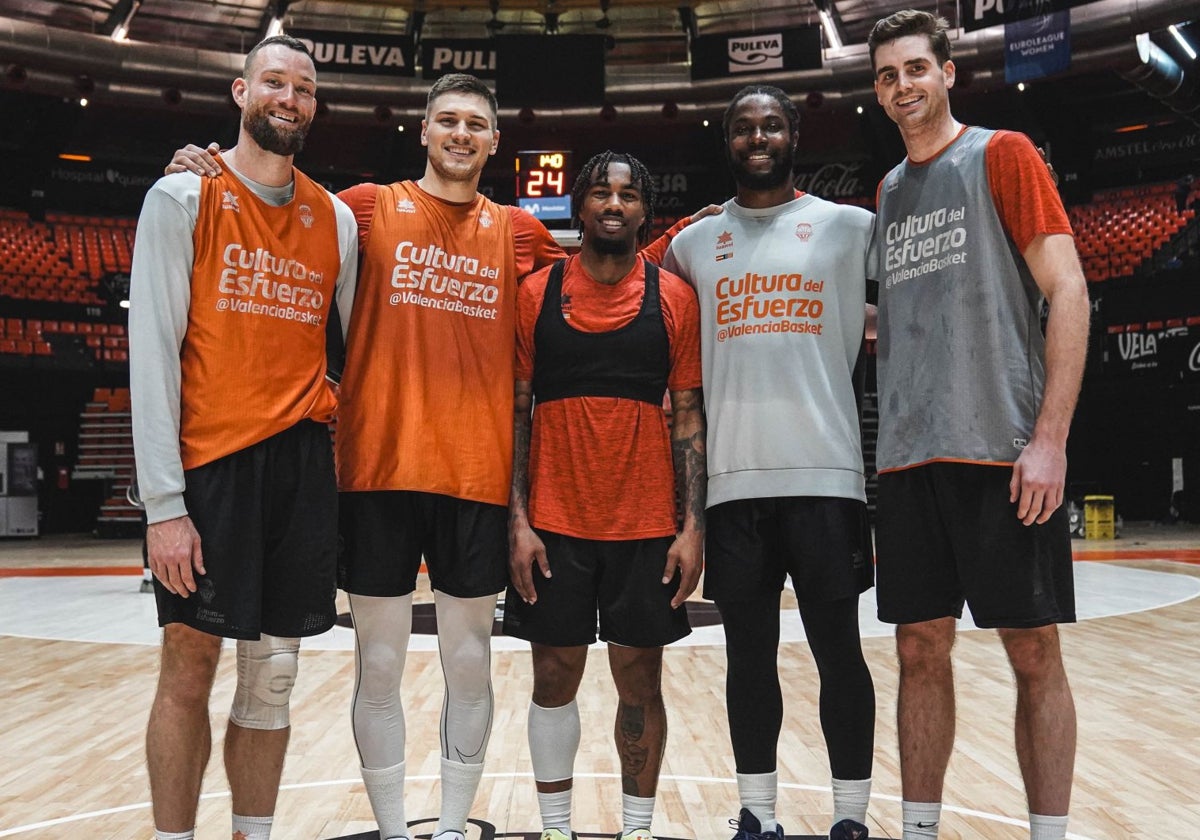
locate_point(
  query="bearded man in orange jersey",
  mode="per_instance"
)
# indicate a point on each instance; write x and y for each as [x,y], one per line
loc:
[232,283]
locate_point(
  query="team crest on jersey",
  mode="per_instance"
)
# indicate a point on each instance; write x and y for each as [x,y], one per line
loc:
[804,231]
[229,201]
[306,215]
[724,243]
[485,219]
[405,205]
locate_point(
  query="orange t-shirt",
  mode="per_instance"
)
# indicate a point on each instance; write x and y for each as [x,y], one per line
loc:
[426,397]
[1025,196]
[600,467]
[253,356]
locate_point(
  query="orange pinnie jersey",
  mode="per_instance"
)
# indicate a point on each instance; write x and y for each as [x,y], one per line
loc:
[426,397]
[253,357]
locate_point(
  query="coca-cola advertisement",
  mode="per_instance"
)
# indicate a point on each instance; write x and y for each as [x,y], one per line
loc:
[846,182]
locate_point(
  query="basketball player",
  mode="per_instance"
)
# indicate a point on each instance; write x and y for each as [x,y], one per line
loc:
[231,288]
[975,407]
[781,279]
[600,338]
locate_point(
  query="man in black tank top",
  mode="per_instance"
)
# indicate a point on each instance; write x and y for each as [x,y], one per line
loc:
[593,522]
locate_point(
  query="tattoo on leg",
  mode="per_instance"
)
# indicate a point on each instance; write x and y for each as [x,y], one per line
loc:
[631,723]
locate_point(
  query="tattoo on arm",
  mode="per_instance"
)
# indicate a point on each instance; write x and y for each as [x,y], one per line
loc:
[688,453]
[522,434]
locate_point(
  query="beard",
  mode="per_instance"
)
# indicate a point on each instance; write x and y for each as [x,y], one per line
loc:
[270,138]
[612,247]
[776,176]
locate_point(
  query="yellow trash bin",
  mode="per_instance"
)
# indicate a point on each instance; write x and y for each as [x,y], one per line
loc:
[1099,523]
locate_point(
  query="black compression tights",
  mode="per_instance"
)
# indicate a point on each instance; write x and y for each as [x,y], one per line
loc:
[754,699]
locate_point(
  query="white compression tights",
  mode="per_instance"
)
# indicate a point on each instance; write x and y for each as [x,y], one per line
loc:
[382,627]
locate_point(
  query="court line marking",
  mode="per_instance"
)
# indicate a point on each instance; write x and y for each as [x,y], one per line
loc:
[957,809]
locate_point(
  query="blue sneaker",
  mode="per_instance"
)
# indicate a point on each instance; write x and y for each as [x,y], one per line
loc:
[749,828]
[848,830]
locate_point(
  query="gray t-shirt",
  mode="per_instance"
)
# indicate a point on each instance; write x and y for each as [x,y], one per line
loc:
[782,294]
[159,296]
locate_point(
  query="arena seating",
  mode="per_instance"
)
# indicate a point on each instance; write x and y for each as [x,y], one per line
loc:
[1121,229]
[63,258]
[106,452]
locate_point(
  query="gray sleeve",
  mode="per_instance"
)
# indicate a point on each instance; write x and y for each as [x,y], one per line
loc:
[348,241]
[159,295]
[670,261]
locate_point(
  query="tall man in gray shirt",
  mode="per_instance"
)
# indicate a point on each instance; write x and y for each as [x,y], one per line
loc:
[781,282]
[974,412]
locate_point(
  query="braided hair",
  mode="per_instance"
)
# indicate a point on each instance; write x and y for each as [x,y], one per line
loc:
[598,167]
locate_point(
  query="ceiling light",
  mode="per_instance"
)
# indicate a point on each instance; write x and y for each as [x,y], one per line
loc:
[1183,42]
[275,27]
[831,33]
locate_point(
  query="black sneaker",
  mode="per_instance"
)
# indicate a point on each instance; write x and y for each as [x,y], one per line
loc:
[848,830]
[749,828]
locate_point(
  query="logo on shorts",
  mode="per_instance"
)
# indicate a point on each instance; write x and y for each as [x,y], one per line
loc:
[306,216]
[1020,443]
[206,590]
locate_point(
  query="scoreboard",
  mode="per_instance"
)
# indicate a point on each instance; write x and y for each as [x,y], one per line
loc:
[544,181]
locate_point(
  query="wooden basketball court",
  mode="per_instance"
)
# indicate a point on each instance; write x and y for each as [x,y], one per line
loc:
[79,666]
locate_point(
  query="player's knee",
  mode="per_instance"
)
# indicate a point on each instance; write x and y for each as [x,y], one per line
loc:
[467,666]
[266,674]
[380,667]
[924,645]
[1034,653]
[189,664]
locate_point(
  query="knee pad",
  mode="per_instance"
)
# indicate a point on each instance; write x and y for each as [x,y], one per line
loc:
[266,672]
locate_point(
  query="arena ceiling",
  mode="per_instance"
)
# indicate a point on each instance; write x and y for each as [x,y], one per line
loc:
[168,82]
[193,47]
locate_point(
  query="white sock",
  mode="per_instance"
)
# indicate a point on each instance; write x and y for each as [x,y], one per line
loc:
[553,741]
[252,828]
[459,785]
[636,812]
[921,819]
[556,810]
[385,790]
[1047,828]
[174,835]
[758,793]
[850,798]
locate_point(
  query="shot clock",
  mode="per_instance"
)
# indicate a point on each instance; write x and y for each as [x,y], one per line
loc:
[544,181]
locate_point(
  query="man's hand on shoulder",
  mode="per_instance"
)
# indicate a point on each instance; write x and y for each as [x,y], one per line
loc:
[173,549]
[195,159]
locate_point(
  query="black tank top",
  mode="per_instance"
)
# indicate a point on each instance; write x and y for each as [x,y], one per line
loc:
[631,362]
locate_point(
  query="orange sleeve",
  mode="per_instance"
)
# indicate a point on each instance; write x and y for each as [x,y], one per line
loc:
[361,199]
[1023,191]
[681,315]
[656,250]
[530,295]
[535,247]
